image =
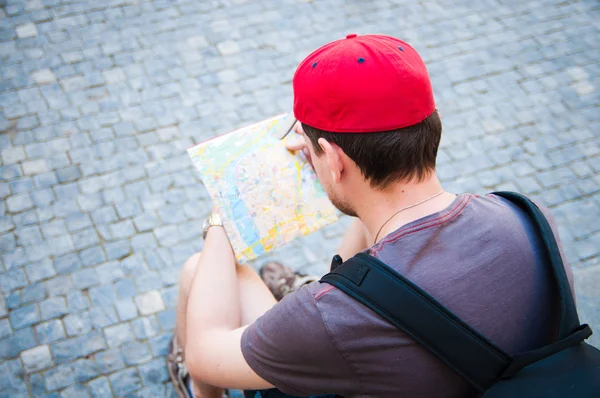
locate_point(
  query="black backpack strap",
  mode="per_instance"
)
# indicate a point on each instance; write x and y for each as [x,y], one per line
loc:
[419,315]
[413,311]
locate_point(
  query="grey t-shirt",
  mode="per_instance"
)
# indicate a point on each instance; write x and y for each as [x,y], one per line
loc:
[479,257]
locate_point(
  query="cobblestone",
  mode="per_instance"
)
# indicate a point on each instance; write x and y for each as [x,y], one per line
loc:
[100,205]
[49,332]
[36,359]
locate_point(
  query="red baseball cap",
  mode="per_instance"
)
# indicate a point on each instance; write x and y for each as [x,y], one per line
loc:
[363,84]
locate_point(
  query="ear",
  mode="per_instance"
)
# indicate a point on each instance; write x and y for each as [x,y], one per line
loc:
[334,159]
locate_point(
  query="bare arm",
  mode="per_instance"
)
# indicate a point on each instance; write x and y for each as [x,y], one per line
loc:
[213,334]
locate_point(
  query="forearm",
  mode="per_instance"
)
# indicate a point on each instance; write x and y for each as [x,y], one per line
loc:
[213,303]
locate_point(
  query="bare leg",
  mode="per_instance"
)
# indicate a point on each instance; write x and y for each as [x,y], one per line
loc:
[356,239]
[255,300]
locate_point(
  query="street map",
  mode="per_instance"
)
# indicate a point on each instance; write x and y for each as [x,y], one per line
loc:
[265,195]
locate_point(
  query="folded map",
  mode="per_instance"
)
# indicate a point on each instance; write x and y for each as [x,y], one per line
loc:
[265,195]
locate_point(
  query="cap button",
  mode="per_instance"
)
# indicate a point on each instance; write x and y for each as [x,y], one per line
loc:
[351,36]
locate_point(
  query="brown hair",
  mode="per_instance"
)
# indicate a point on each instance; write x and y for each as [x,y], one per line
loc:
[385,157]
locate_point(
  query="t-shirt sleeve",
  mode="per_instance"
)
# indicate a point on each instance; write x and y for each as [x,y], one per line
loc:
[290,347]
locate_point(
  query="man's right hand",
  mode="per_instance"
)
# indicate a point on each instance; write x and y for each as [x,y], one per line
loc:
[298,143]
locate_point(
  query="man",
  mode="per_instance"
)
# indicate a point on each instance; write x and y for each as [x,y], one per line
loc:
[369,126]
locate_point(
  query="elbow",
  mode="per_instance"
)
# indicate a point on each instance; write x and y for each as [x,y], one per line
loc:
[198,359]
[194,361]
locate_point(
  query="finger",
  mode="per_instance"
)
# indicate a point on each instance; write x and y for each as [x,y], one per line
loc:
[295,145]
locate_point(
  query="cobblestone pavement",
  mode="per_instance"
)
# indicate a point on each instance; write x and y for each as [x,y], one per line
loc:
[100,204]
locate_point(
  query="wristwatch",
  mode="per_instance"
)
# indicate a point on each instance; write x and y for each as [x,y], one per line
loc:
[213,220]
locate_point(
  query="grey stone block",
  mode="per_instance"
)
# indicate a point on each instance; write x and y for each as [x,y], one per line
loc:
[78,221]
[167,319]
[146,221]
[80,346]
[100,388]
[125,381]
[8,243]
[92,256]
[117,250]
[143,242]
[51,331]
[59,286]
[36,359]
[102,296]
[41,270]
[59,377]
[136,353]
[104,215]
[126,309]
[13,300]
[109,361]
[103,316]
[171,214]
[5,328]
[123,229]
[156,390]
[144,328]
[60,245]
[77,301]
[109,272]
[37,384]
[90,202]
[25,219]
[37,166]
[18,203]
[154,372]
[76,391]
[150,280]
[33,293]
[20,340]
[24,316]
[170,296]
[125,288]
[54,228]
[29,236]
[11,171]
[78,324]
[85,238]
[118,335]
[12,155]
[85,278]
[167,235]
[128,209]
[160,344]
[66,192]
[149,303]
[85,369]
[67,264]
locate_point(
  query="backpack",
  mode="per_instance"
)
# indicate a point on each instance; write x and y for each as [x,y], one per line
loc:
[566,368]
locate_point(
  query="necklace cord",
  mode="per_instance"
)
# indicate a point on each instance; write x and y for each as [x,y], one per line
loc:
[405,208]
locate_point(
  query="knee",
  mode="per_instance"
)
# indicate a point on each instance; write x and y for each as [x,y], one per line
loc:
[189,268]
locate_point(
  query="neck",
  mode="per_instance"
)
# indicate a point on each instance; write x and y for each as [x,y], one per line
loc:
[379,206]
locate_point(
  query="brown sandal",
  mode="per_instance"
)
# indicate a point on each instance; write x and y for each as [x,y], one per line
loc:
[177,369]
[282,280]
